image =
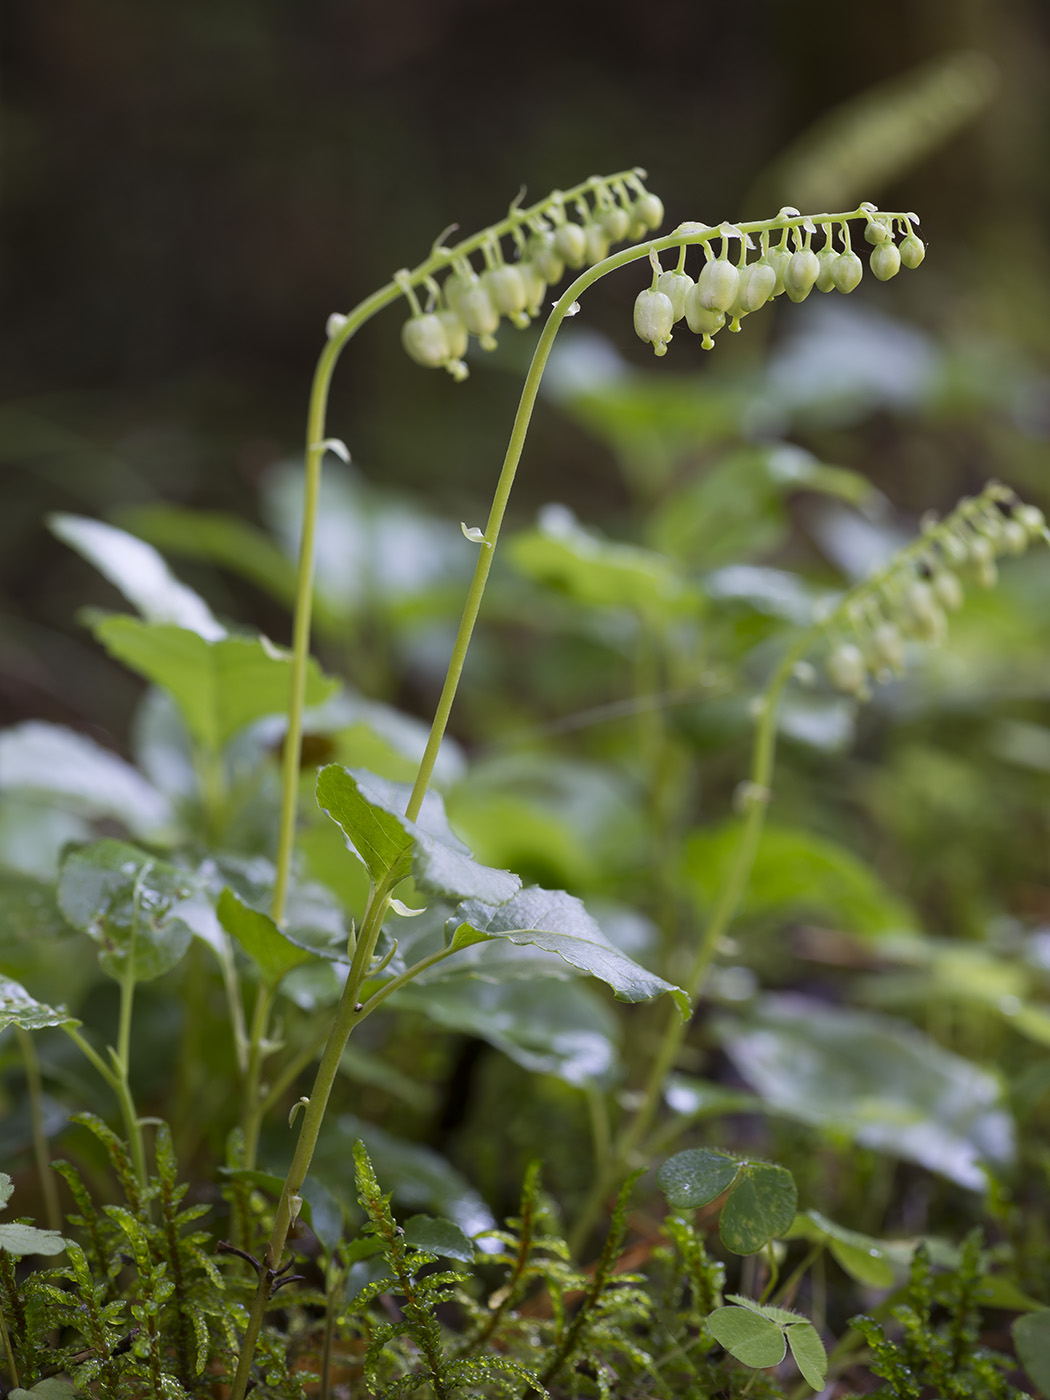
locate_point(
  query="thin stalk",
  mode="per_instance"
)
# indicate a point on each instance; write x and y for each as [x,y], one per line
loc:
[252,1121]
[122,1060]
[346,1017]
[118,1083]
[732,891]
[41,1146]
[9,1353]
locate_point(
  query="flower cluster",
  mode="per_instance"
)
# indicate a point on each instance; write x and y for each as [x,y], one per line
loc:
[911,600]
[473,302]
[727,290]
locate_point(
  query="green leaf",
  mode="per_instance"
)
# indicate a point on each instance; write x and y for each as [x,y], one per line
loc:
[565,1030]
[808,1351]
[795,871]
[697,1176]
[760,1207]
[18,1008]
[260,937]
[222,538]
[27,1239]
[50,760]
[558,923]
[1031,1334]
[862,1257]
[220,686]
[370,811]
[50,1388]
[875,1080]
[127,901]
[139,572]
[753,1339]
[439,1236]
[596,572]
[419,1177]
[372,832]
[6,1189]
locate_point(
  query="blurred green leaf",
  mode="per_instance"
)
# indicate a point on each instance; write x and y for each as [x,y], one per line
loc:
[260,938]
[559,553]
[1031,1334]
[220,537]
[420,1178]
[862,1257]
[18,1008]
[563,1030]
[220,686]
[70,768]
[439,1236]
[128,902]
[139,572]
[795,872]
[876,1081]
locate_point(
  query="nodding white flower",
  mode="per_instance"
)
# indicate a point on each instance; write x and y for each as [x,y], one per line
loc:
[653,318]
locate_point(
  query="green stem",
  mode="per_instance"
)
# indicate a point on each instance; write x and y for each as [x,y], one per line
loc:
[9,1352]
[117,1081]
[347,1015]
[253,1100]
[41,1146]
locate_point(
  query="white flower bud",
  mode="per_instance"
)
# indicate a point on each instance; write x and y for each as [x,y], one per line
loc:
[653,319]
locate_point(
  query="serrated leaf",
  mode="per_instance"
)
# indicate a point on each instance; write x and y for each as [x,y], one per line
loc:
[220,686]
[761,1206]
[697,1176]
[439,1236]
[753,1339]
[260,937]
[18,1008]
[808,1351]
[27,1239]
[139,572]
[1031,1334]
[127,901]
[370,811]
[558,923]
[376,836]
[49,759]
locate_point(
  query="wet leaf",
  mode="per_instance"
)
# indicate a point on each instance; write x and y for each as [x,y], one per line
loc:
[370,811]
[128,902]
[559,923]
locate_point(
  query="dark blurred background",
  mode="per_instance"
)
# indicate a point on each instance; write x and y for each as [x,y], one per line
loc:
[191,187]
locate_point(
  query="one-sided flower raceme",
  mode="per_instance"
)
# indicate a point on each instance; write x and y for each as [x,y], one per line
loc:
[910,600]
[729,286]
[573,230]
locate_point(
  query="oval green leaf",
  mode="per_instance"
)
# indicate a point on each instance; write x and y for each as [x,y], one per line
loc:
[808,1351]
[760,1208]
[755,1340]
[697,1176]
